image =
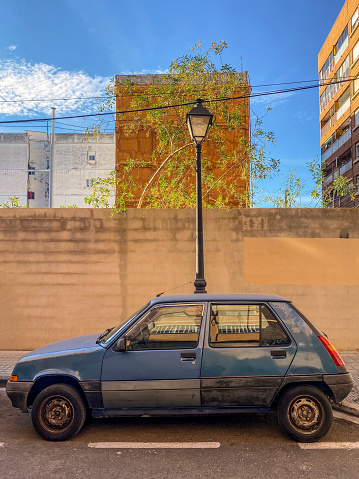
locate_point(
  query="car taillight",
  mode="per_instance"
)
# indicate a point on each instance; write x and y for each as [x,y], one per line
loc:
[331,350]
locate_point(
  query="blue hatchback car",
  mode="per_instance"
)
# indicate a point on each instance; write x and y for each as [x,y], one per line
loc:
[187,355]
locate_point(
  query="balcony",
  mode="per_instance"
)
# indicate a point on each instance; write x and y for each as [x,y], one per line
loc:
[343,108]
[328,180]
[340,112]
[336,145]
[328,124]
[346,167]
[330,92]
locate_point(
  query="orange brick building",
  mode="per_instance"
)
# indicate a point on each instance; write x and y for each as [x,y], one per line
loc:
[338,66]
[141,144]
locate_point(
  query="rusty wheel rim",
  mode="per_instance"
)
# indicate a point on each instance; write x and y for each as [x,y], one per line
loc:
[305,414]
[57,413]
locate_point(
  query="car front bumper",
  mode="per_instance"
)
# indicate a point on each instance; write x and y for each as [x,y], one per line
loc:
[18,392]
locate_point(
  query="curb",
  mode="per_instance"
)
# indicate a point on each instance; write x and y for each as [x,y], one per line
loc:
[3,382]
[350,408]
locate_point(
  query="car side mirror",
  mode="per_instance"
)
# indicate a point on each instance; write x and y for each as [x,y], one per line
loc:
[120,346]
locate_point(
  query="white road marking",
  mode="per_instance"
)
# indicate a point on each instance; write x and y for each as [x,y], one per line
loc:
[346,417]
[2,444]
[329,445]
[2,390]
[154,445]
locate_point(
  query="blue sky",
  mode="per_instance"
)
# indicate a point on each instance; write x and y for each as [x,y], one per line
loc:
[70,48]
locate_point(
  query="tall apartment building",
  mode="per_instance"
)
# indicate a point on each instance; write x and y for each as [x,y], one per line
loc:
[25,167]
[338,63]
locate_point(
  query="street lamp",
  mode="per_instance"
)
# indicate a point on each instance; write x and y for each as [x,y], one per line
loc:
[199,120]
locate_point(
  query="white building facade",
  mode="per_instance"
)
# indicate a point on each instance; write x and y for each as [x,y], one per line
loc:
[77,159]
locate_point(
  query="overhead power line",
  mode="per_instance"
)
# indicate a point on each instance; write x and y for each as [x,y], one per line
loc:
[163,107]
[39,100]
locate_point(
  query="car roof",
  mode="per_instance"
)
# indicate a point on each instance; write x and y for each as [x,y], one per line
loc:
[217,297]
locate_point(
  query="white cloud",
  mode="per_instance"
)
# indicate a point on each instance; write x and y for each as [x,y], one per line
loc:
[21,80]
[12,47]
[272,99]
[157,71]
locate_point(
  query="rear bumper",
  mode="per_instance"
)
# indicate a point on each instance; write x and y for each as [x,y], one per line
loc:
[340,385]
[18,393]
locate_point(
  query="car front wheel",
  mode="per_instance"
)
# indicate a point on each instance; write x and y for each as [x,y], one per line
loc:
[58,412]
[305,413]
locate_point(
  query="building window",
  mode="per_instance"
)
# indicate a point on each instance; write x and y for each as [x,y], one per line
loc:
[341,44]
[89,183]
[356,117]
[355,19]
[357,181]
[47,190]
[343,71]
[355,52]
[31,195]
[356,85]
[328,94]
[327,67]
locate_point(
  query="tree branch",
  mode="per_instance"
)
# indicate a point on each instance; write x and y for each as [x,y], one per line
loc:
[157,171]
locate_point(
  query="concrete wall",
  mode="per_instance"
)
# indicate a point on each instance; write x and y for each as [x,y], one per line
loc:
[72,272]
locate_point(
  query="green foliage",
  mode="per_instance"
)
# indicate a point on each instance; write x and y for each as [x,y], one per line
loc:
[70,206]
[12,202]
[342,186]
[289,195]
[104,188]
[197,74]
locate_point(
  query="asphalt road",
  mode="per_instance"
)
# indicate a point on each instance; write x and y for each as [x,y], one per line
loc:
[227,447]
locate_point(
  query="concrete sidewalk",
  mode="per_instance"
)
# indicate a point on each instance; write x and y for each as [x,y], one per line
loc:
[351,359]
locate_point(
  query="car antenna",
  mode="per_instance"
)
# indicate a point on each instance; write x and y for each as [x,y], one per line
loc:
[163,292]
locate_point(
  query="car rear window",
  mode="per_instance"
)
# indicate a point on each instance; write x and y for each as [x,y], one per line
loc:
[245,325]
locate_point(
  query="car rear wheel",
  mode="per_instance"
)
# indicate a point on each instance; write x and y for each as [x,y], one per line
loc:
[305,413]
[58,412]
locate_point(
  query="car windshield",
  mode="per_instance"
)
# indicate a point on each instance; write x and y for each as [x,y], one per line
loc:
[110,333]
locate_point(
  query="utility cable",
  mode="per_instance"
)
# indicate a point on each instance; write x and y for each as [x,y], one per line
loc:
[163,107]
[153,94]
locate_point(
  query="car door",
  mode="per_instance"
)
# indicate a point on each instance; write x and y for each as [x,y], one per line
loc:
[246,355]
[160,367]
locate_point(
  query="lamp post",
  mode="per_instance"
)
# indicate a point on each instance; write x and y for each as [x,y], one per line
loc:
[199,120]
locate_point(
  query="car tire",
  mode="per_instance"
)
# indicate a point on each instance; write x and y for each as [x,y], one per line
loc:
[305,413]
[58,412]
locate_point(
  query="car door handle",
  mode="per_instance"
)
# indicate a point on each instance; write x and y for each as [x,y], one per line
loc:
[278,353]
[188,356]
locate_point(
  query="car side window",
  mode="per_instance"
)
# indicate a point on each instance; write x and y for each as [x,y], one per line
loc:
[244,325]
[167,327]
[272,333]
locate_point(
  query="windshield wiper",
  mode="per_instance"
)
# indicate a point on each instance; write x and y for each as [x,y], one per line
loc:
[102,335]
